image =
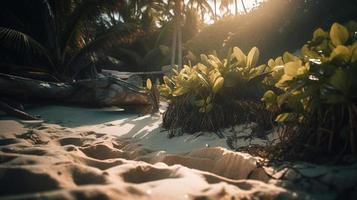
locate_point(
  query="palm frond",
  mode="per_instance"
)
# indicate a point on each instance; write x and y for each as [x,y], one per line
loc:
[22,43]
[119,34]
[83,10]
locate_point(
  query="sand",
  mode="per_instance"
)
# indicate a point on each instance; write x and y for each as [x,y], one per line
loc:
[83,153]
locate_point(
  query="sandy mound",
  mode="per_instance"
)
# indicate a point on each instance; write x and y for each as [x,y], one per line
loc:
[53,162]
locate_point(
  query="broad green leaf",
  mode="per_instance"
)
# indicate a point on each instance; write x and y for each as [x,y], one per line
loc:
[338,34]
[279,61]
[305,51]
[148,84]
[284,117]
[239,55]
[271,63]
[291,68]
[204,58]
[215,60]
[214,75]
[218,84]
[253,56]
[319,33]
[180,91]
[167,81]
[288,57]
[202,68]
[341,53]
[165,90]
[269,97]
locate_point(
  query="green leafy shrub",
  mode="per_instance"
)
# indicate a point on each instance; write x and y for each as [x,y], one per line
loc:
[316,94]
[214,93]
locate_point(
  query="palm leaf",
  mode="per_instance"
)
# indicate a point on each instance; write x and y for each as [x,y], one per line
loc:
[22,43]
[81,11]
[119,34]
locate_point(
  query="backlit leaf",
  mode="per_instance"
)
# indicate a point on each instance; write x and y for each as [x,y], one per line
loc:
[338,34]
[253,56]
[148,84]
[218,84]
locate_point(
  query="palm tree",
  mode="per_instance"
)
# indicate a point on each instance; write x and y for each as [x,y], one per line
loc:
[245,10]
[202,7]
[70,49]
[215,9]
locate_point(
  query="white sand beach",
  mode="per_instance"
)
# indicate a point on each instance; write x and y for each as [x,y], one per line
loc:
[86,153]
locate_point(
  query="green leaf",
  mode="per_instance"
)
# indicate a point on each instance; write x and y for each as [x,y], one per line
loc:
[218,84]
[338,34]
[319,33]
[269,97]
[291,68]
[239,55]
[148,84]
[284,117]
[271,63]
[167,81]
[279,61]
[180,91]
[341,53]
[253,56]
[305,51]
[288,57]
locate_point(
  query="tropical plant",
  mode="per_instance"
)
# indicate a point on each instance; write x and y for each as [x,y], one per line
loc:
[316,99]
[285,30]
[70,49]
[212,94]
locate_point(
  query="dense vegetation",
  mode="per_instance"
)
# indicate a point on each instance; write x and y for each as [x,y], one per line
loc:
[274,27]
[215,92]
[312,96]
[316,99]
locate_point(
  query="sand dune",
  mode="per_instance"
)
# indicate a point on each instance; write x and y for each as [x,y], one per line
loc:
[53,162]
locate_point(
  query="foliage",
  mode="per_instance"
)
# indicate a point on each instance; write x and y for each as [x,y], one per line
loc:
[316,100]
[209,95]
[70,48]
[274,27]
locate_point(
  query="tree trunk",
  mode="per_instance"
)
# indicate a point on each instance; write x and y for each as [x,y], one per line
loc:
[173,46]
[179,54]
[15,112]
[105,91]
[236,6]
[215,10]
[245,9]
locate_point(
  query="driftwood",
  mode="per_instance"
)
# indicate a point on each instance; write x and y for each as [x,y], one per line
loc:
[103,91]
[15,112]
